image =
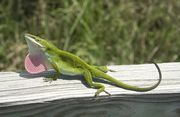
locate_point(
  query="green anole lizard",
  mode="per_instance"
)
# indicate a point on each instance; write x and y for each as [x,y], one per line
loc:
[66,63]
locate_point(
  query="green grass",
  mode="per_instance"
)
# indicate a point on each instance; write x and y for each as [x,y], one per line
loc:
[100,32]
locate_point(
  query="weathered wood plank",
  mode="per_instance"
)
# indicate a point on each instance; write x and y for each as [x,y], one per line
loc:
[22,88]
[133,106]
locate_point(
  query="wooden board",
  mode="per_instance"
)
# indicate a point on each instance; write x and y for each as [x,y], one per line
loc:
[26,92]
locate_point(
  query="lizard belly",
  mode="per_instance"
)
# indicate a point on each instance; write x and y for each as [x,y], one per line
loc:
[70,72]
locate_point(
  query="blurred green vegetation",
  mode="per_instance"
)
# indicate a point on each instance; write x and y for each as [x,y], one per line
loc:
[99,31]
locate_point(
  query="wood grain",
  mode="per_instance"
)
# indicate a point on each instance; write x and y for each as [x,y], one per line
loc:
[22,94]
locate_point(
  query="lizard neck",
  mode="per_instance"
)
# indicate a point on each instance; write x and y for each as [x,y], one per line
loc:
[73,57]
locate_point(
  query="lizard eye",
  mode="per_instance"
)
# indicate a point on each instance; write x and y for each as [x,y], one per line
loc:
[47,49]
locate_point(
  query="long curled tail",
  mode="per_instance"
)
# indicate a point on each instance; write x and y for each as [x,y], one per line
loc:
[130,87]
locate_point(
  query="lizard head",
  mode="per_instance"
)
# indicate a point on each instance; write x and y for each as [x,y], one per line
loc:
[36,61]
[38,42]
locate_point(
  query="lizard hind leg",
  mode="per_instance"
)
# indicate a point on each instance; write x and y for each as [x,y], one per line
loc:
[101,89]
[99,86]
[104,69]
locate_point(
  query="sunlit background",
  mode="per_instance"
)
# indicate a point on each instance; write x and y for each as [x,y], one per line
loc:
[99,31]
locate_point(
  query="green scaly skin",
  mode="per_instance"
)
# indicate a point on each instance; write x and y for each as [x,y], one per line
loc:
[67,63]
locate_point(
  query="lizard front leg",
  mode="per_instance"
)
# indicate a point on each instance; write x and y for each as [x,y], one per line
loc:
[55,64]
[99,86]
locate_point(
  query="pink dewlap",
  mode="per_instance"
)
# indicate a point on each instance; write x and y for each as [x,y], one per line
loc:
[34,64]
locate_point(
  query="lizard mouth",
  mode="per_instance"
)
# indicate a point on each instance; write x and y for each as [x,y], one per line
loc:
[31,39]
[34,47]
[36,60]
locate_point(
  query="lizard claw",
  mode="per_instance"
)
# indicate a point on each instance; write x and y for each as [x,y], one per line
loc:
[107,92]
[49,79]
[112,70]
[97,93]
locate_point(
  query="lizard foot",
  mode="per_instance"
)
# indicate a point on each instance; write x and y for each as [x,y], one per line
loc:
[112,70]
[49,79]
[99,91]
